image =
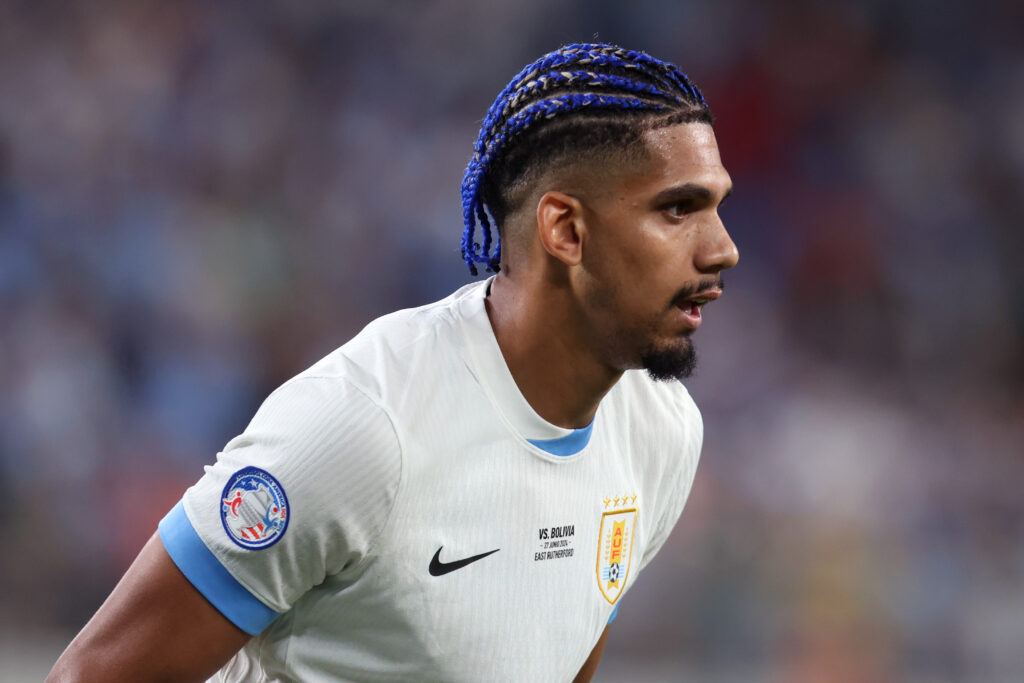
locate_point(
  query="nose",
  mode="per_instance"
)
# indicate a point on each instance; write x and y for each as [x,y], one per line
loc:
[716,251]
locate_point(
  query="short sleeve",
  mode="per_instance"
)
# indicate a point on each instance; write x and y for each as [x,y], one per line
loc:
[302,494]
[676,490]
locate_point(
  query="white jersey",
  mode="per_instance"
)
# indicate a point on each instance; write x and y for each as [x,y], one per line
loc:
[399,512]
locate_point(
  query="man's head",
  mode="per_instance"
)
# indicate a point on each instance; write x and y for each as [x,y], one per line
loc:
[575,106]
[601,163]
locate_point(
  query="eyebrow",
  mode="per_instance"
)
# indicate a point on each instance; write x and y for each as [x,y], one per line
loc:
[689,191]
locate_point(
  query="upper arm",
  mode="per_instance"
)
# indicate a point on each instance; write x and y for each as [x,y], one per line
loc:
[154,626]
[589,667]
[303,493]
[674,486]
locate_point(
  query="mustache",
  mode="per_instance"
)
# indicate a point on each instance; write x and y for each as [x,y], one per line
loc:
[694,288]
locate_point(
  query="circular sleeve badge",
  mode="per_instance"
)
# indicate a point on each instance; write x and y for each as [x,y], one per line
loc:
[254,509]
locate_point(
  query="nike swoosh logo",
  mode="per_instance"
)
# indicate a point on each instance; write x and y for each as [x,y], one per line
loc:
[439,568]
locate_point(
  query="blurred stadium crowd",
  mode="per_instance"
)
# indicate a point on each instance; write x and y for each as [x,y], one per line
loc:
[198,200]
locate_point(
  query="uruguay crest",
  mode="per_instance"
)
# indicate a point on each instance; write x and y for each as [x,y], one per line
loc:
[254,509]
[615,551]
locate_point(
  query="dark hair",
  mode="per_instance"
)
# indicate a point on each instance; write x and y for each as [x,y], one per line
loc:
[581,99]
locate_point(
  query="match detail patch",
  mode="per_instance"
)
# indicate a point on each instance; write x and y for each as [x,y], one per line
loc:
[254,509]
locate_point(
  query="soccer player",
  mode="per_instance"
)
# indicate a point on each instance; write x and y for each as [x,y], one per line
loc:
[465,491]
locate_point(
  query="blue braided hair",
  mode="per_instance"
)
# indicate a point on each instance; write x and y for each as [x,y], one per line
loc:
[581,97]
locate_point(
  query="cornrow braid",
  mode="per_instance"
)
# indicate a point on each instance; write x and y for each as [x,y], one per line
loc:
[580,97]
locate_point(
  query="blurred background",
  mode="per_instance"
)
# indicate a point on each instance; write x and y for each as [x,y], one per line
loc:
[198,200]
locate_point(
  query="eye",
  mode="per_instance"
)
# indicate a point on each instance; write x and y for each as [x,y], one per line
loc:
[680,209]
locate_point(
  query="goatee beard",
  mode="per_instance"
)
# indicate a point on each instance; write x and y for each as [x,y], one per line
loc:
[676,363]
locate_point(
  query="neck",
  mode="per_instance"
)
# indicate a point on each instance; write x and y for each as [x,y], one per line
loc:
[549,358]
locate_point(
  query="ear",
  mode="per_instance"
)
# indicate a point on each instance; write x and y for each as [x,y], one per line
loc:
[561,227]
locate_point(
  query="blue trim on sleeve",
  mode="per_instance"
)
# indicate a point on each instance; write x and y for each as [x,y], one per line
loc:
[208,575]
[570,444]
[615,613]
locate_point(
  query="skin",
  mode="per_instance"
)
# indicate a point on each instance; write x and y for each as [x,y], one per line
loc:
[589,284]
[593,284]
[155,626]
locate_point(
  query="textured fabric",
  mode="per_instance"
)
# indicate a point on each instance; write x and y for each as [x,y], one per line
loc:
[566,445]
[208,575]
[428,539]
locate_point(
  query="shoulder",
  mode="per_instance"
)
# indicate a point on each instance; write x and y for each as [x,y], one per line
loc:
[666,407]
[318,426]
[391,350]
[665,433]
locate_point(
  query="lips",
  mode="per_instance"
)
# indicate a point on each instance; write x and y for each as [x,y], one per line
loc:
[691,306]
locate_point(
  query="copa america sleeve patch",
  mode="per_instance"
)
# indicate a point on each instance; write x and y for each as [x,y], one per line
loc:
[254,509]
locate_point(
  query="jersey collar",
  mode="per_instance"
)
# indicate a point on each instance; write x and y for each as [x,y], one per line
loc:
[493,373]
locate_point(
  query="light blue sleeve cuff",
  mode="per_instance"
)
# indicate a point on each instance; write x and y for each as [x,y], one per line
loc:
[615,613]
[209,576]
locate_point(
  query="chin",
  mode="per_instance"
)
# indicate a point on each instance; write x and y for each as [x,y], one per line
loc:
[673,363]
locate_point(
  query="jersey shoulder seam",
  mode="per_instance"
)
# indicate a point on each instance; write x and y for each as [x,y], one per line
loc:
[392,422]
[399,485]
